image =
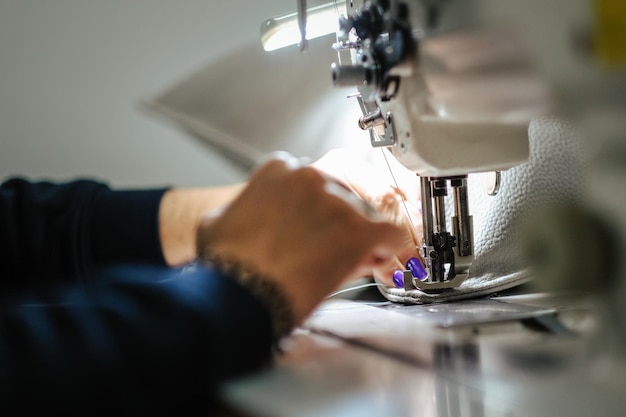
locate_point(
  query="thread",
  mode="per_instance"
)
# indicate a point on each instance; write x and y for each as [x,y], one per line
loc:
[403,199]
[358,287]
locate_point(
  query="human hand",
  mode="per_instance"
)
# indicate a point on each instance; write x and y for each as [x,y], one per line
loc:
[301,230]
[396,199]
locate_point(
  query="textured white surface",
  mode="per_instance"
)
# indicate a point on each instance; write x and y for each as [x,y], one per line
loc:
[553,175]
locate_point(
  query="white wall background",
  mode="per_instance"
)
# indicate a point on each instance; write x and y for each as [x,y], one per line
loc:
[72,73]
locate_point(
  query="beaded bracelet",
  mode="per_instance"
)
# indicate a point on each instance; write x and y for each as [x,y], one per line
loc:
[263,289]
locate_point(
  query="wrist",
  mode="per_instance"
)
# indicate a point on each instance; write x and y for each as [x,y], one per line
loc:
[180,214]
[264,289]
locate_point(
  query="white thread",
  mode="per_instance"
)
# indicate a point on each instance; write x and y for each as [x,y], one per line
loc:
[402,198]
[358,287]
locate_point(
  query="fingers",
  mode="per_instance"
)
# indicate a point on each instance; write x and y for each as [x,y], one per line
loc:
[288,159]
[384,273]
[318,182]
[277,163]
[303,230]
[392,205]
[339,190]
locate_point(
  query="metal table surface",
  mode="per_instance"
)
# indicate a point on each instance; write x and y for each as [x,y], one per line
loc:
[524,355]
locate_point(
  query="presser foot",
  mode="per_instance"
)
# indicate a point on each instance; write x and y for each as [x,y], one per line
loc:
[412,283]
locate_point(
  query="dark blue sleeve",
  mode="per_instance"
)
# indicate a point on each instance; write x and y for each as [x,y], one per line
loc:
[50,233]
[137,341]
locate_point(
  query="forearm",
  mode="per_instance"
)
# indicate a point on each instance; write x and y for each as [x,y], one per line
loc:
[179,216]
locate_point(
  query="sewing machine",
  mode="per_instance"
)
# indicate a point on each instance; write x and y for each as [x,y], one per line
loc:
[450,87]
[414,95]
[450,94]
[446,96]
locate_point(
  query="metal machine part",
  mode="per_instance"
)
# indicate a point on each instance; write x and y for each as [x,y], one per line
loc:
[302,12]
[384,45]
[447,95]
[385,49]
[447,256]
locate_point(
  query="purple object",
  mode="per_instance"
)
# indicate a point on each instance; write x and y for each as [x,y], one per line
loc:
[398,278]
[417,269]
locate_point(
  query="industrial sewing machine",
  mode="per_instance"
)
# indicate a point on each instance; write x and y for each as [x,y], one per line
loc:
[447,94]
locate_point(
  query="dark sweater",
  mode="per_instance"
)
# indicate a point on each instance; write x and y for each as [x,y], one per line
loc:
[78,334]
